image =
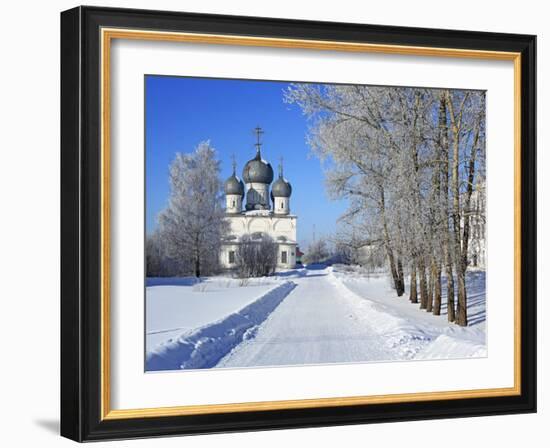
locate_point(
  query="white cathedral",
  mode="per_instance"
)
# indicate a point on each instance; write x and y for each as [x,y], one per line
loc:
[260,215]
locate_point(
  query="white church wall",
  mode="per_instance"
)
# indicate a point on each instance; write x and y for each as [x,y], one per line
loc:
[285,227]
[274,226]
[286,258]
[237,226]
[259,224]
[228,261]
[286,255]
[282,229]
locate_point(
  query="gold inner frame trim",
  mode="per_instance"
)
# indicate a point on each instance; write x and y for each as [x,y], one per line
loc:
[107,35]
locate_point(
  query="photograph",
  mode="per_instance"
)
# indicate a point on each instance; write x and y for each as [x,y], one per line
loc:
[295,224]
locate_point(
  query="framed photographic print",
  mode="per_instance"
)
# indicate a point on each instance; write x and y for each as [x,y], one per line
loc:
[272,223]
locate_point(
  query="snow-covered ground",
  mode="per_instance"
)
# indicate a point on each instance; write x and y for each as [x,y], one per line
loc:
[304,316]
[178,305]
[202,322]
[417,333]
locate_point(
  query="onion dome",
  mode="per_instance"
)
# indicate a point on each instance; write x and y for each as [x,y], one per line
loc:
[234,185]
[258,170]
[281,187]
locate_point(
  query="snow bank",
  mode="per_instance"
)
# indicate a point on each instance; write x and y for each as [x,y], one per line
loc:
[446,346]
[172,281]
[209,283]
[204,347]
[415,333]
[401,336]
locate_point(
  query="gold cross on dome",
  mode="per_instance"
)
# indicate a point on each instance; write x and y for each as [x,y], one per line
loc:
[258,131]
[234,163]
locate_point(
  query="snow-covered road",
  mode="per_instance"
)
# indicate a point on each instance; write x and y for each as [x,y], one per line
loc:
[316,323]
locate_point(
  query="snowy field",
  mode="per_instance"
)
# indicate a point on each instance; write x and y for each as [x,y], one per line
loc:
[304,316]
[178,305]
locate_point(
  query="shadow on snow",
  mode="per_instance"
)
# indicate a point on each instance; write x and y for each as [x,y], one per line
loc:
[475,289]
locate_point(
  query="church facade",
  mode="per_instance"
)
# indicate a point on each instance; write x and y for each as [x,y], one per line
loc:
[259,207]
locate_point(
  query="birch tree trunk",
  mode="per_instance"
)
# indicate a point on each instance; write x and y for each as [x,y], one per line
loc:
[431,281]
[423,283]
[400,277]
[461,313]
[451,315]
[388,244]
[462,305]
[437,290]
[445,232]
[413,295]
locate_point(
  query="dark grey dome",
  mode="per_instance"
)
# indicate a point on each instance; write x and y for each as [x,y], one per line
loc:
[234,185]
[281,188]
[258,170]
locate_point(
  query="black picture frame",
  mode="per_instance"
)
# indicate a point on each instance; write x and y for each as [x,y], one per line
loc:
[81,224]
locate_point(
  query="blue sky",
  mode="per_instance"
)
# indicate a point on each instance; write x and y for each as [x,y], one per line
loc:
[181,112]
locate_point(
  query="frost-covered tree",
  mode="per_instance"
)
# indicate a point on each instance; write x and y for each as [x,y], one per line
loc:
[407,161]
[317,252]
[158,262]
[467,130]
[192,224]
[153,256]
[256,255]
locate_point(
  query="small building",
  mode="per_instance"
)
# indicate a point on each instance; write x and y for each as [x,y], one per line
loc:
[266,210]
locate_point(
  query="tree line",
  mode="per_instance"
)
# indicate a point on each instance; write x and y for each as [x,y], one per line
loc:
[410,162]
